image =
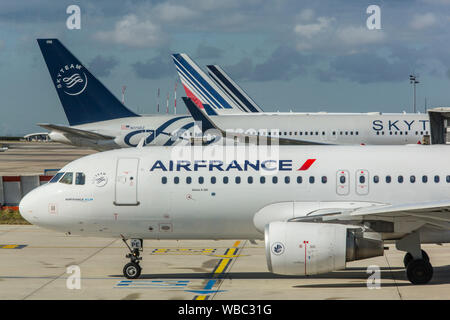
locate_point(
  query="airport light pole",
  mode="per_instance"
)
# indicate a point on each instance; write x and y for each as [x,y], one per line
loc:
[413,80]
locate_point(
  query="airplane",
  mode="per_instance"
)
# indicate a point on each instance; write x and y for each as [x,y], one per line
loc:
[98,120]
[316,207]
[294,127]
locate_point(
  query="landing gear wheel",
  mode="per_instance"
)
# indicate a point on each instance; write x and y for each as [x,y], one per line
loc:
[408,258]
[419,271]
[132,270]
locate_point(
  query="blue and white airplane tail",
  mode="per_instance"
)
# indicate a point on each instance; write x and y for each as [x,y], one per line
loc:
[84,98]
[201,89]
[232,89]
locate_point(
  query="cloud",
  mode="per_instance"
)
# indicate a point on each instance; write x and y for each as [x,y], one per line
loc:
[205,51]
[168,12]
[352,35]
[102,66]
[367,68]
[312,29]
[134,32]
[285,63]
[155,68]
[423,21]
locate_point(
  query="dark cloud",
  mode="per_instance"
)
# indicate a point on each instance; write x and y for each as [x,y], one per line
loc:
[155,68]
[205,51]
[367,68]
[285,63]
[102,66]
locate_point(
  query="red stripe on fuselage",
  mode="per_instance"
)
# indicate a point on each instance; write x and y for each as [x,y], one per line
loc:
[193,97]
[308,163]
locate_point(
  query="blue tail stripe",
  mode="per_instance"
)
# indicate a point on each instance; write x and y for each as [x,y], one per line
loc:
[200,79]
[194,88]
[204,92]
[84,98]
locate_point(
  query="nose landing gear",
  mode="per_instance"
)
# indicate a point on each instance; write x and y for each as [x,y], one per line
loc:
[132,270]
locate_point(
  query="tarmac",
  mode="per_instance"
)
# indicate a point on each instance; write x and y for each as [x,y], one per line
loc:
[36,263]
[32,158]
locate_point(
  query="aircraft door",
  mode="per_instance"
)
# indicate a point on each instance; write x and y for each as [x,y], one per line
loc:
[362,182]
[126,182]
[342,182]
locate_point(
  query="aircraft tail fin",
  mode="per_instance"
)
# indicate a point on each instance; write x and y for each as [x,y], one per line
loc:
[201,89]
[84,98]
[232,89]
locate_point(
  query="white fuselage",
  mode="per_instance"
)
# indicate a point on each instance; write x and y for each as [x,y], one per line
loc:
[328,128]
[156,193]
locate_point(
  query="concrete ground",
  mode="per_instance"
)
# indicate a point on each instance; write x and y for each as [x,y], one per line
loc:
[31,158]
[34,261]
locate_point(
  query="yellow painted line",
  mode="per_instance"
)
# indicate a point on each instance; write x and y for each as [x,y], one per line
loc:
[9,246]
[223,263]
[200,297]
[236,244]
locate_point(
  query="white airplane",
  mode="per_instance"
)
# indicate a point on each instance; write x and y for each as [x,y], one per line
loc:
[317,207]
[224,101]
[98,120]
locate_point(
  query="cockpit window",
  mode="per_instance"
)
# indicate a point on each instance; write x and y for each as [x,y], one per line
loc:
[56,177]
[67,179]
[80,178]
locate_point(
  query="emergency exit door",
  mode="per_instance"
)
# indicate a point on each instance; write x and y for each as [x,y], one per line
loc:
[126,182]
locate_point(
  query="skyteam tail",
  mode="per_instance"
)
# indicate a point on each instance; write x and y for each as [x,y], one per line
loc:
[201,89]
[84,98]
[232,89]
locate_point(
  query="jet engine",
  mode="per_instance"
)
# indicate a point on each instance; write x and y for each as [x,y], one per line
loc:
[304,248]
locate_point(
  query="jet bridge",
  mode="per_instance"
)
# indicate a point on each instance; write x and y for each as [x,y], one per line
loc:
[438,124]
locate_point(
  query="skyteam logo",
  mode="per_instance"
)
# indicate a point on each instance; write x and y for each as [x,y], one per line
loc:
[277,248]
[72,79]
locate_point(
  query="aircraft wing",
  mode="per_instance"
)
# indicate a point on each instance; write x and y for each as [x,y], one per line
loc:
[436,213]
[208,123]
[75,132]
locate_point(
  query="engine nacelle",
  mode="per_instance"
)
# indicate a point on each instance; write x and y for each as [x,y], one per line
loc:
[302,248]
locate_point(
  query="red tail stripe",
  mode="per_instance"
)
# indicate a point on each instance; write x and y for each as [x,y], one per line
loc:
[308,163]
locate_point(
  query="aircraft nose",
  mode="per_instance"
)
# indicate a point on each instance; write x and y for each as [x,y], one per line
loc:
[28,207]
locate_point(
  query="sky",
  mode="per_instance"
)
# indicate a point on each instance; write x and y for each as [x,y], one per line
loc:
[287,54]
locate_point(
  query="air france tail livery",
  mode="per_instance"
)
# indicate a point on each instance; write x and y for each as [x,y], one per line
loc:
[97,118]
[317,207]
[292,127]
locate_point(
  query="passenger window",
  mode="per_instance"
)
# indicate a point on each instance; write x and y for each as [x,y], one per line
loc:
[164,180]
[311,179]
[225,180]
[274,179]
[299,179]
[250,180]
[237,179]
[342,179]
[201,180]
[262,180]
[424,179]
[56,177]
[68,178]
[388,179]
[188,180]
[362,179]
[80,178]
[176,180]
[436,179]
[400,179]
[447,179]
[213,180]
[287,179]
[324,179]
[376,179]
[412,179]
